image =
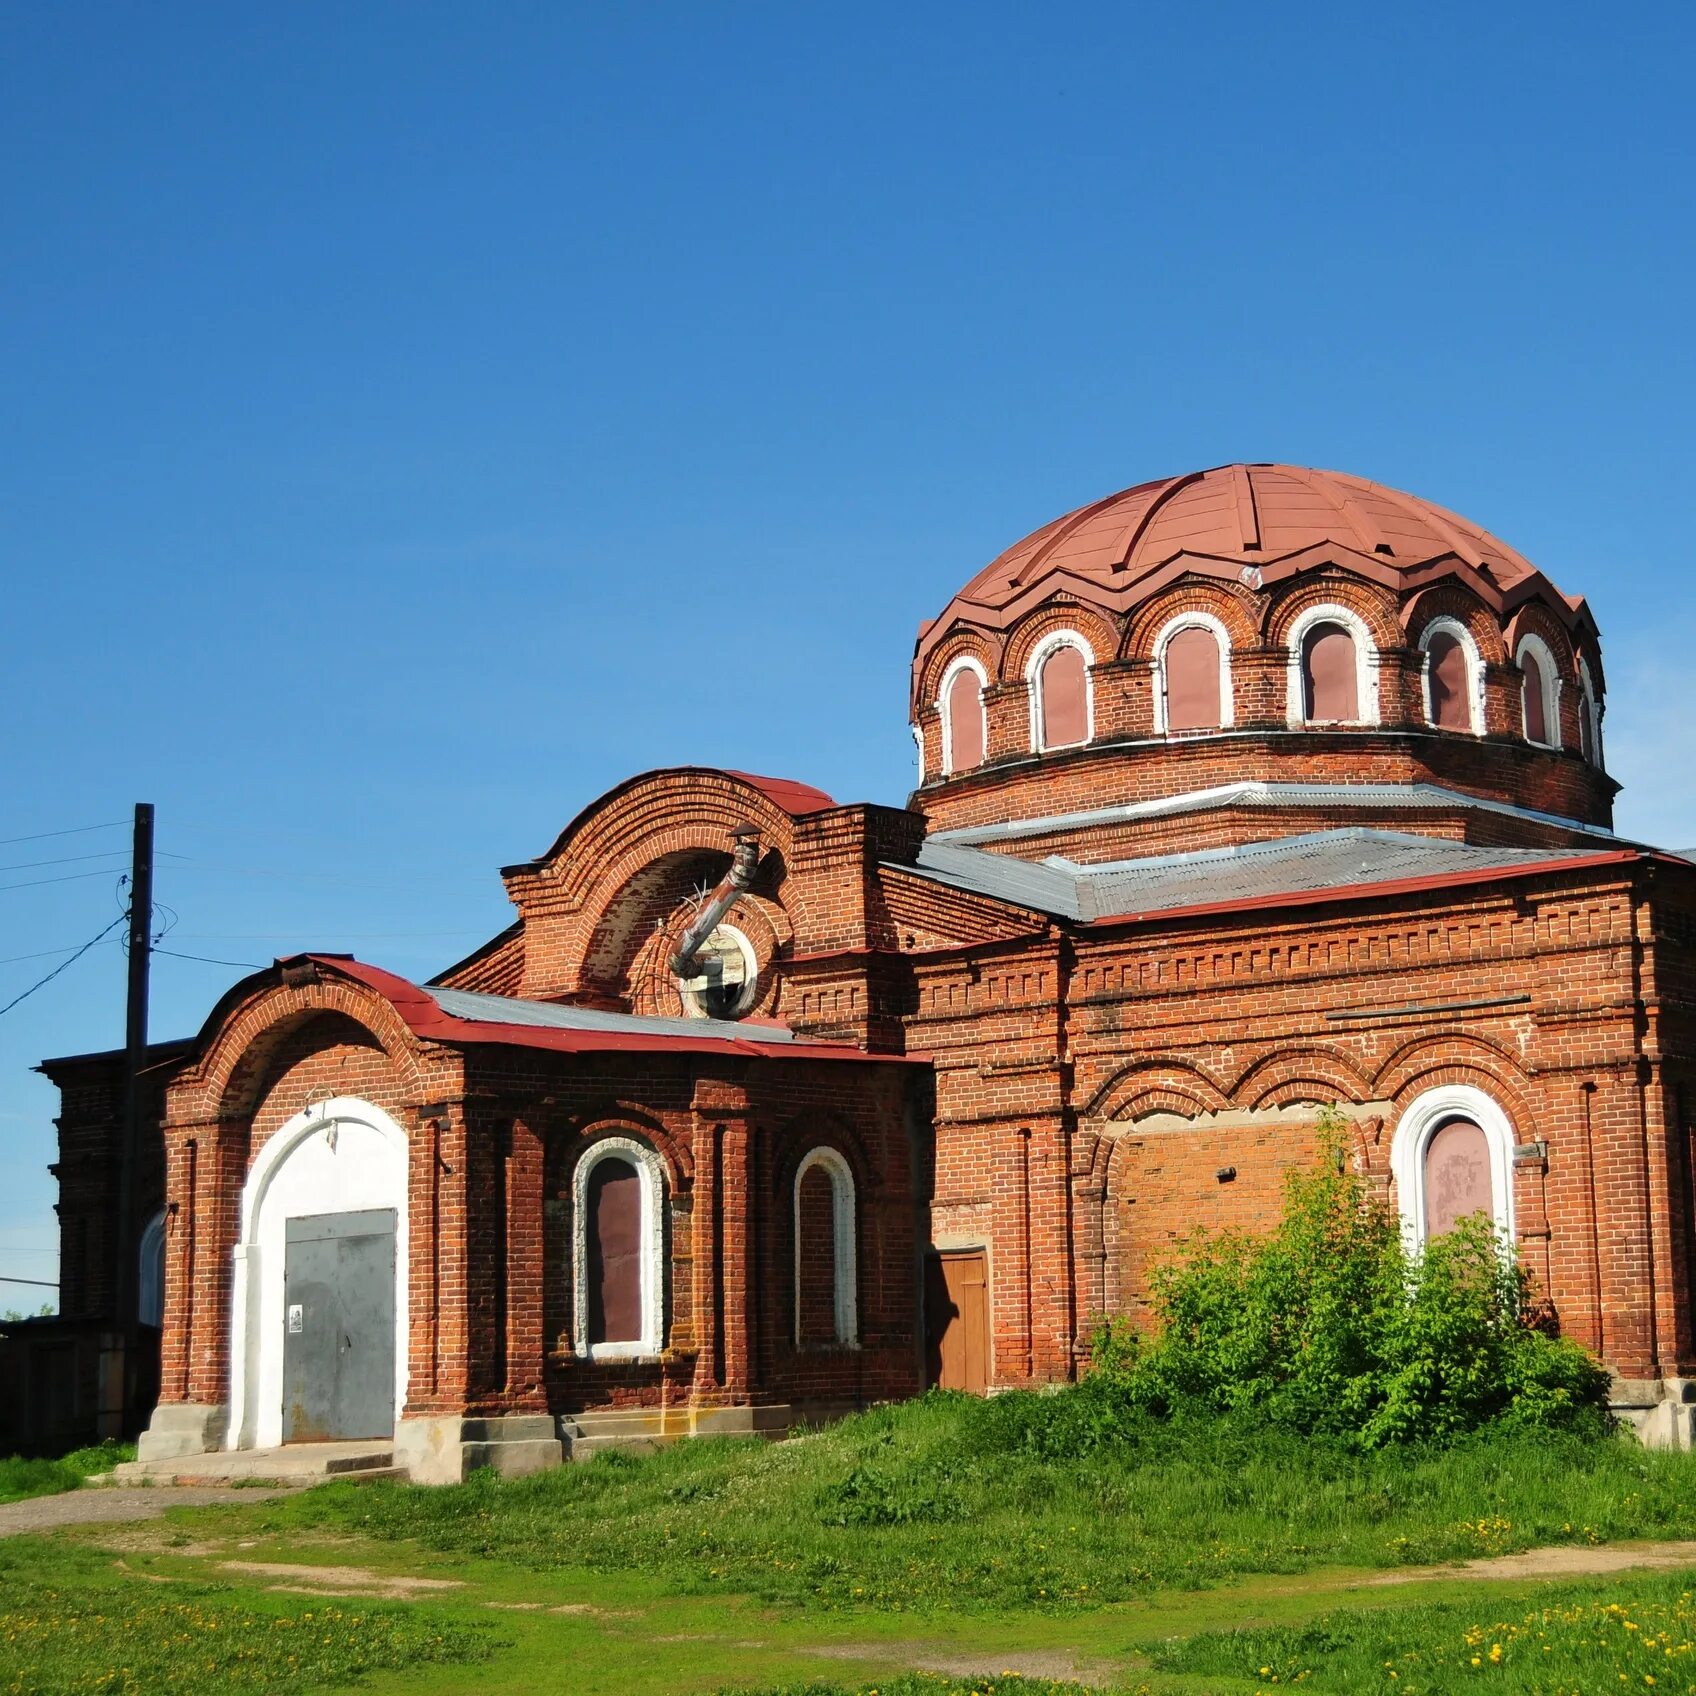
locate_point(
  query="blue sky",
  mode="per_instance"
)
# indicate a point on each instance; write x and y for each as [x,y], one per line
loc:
[414,420]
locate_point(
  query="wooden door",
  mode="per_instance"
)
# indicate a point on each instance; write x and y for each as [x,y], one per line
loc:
[957,1320]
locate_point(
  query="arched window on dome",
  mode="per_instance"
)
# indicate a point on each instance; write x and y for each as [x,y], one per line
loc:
[1333,668]
[1589,716]
[618,1250]
[960,703]
[1453,677]
[1540,692]
[1062,711]
[1192,674]
[826,1275]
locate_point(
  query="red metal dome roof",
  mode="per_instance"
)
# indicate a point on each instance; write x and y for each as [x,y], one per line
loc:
[1230,520]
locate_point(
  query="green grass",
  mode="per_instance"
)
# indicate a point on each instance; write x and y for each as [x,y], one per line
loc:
[21,1479]
[71,1624]
[949,1503]
[1635,1634]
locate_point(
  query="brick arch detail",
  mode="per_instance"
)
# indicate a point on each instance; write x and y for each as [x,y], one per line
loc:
[1274,1080]
[663,814]
[568,1137]
[1096,629]
[1232,606]
[1374,606]
[1535,619]
[1451,1057]
[1141,1088]
[224,1083]
[800,1134]
[1450,600]
[965,642]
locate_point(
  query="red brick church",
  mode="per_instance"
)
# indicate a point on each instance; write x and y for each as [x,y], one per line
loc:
[1240,794]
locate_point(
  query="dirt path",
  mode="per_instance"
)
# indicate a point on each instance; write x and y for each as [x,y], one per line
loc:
[114,1507]
[958,1662]
[1565,1560]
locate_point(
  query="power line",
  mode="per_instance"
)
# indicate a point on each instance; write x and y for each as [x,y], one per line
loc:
[205,960]
[75,830]
[67,859]
[43,954]
[69,877]
[39,1283]
[42,983]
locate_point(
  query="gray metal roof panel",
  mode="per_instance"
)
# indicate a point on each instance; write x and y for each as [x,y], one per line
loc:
[1021,883]
[510,1010]
[1287,865]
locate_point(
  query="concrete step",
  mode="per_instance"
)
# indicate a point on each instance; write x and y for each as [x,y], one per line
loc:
[294,1463]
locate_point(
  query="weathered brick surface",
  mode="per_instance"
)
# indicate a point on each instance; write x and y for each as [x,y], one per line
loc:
[1082,1097]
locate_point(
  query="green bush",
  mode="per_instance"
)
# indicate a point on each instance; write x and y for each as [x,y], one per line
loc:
[1331,1326]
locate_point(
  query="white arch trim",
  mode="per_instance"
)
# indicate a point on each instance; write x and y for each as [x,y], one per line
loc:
[1592,710]
[1365,662]
[342,1155]
[1174,627]
[1446,626]
[150,1272]
[845,1258]
[964,663]
[1051,643]
[651,1174]
[1539,650]
[1425,1116]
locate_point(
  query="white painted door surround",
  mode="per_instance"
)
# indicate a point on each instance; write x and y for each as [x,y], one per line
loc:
[338,1156]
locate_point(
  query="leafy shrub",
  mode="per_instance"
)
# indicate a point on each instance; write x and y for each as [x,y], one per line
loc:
[1331,1326]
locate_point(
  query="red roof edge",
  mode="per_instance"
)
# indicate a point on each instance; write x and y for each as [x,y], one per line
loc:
[427,1019]
[796,799]
[1362,891]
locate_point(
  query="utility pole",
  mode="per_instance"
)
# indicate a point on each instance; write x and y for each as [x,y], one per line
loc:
[126,1280]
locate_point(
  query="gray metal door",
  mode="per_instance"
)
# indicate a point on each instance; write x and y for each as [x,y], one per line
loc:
[339,1326]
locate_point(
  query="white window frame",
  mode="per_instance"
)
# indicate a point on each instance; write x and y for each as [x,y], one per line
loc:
[964,663]
[1365,662]
[844,1256]
[1049,645]
[1540,651]
[1424,1117]
[1592,709]
[651,1173]
[692,1009]
[1175,627]
[1446,626]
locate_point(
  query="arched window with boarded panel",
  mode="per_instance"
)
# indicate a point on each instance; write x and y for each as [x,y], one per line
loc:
[1540,692]
[618,1250]
[1452,1157]
[826,1258]
[1589,716]
[1453,677]
[1192,674]
[1333,676]
[1062,712]
[960,703]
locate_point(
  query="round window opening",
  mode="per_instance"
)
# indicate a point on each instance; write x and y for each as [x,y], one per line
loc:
[725,977]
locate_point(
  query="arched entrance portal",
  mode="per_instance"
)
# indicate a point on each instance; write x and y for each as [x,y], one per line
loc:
[318,1311]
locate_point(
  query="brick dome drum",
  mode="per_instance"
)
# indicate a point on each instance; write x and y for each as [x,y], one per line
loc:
[1286,617]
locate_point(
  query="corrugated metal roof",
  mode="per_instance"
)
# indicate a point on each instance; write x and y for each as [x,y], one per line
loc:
[550,1015]
[1043,887]
[1286,865]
